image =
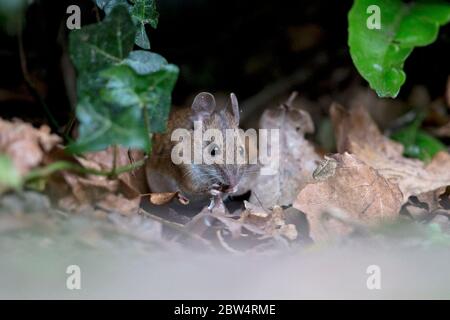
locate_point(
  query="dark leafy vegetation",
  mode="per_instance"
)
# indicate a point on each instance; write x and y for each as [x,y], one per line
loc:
[123,95]
[417,142]
[142,12]
[379,54]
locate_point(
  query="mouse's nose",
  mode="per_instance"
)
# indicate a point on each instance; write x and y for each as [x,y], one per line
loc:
[224,187]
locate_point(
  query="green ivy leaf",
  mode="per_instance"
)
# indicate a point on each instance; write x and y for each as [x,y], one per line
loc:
[102,125]
[379,54]
[9,176]
[123,96]
[150,93]
[142,12]
[114,109]
[97,46]
[144,62]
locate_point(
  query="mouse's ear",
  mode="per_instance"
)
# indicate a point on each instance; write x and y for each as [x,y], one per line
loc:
[203,106]
[234,107]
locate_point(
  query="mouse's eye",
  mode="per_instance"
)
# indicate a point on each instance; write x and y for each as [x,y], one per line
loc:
[215,150]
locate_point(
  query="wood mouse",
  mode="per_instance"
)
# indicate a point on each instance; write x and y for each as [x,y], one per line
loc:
[199,181]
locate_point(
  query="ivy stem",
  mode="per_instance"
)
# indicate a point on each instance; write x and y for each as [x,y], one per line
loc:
[65,165]
[69,125]
[114,164]
[147,128]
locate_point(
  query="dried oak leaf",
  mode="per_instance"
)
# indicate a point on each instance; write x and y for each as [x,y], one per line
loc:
[273,223]
[442,131]
[24,144]
[432,198]
[252,225]
[355,189]
[356,133]
[160,198]
[297,157]
[423,206]
[134,182]
[80,192]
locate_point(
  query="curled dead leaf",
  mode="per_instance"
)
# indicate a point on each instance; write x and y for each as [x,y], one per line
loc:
[24,144]
[273,222]
[161,198]
[255,225]
[442,131]
[133,182]
[297,157]
[357,133]
[357,190]
[79,192]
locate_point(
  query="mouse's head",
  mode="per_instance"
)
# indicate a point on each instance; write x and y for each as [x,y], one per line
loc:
[223,153]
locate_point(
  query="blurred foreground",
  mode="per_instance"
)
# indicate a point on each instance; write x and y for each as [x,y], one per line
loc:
[124,258]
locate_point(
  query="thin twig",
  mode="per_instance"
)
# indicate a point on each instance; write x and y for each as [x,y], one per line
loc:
[225,245]
[178,227]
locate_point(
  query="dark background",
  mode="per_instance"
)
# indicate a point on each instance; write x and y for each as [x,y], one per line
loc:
[220,46]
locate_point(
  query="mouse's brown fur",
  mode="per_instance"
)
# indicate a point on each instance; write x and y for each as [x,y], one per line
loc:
[196,180]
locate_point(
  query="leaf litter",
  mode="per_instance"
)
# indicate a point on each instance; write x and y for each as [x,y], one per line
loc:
[366,184]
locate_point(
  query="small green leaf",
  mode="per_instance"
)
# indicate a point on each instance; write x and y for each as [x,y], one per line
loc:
[142,12]
[141,38]
[145,11]
[379,54]
[417,143]
[9,176]
[428,145]
[97,46]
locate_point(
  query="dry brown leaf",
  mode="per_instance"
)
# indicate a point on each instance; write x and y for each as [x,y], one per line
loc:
[356,190]
[134,181]
[24,144]
[383,111]
[297,157]
[272,223]
[442,131]
[357,133]
[80,192]
[83,193]
[423,206]
[161,198]
[432,198]
[253,223]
